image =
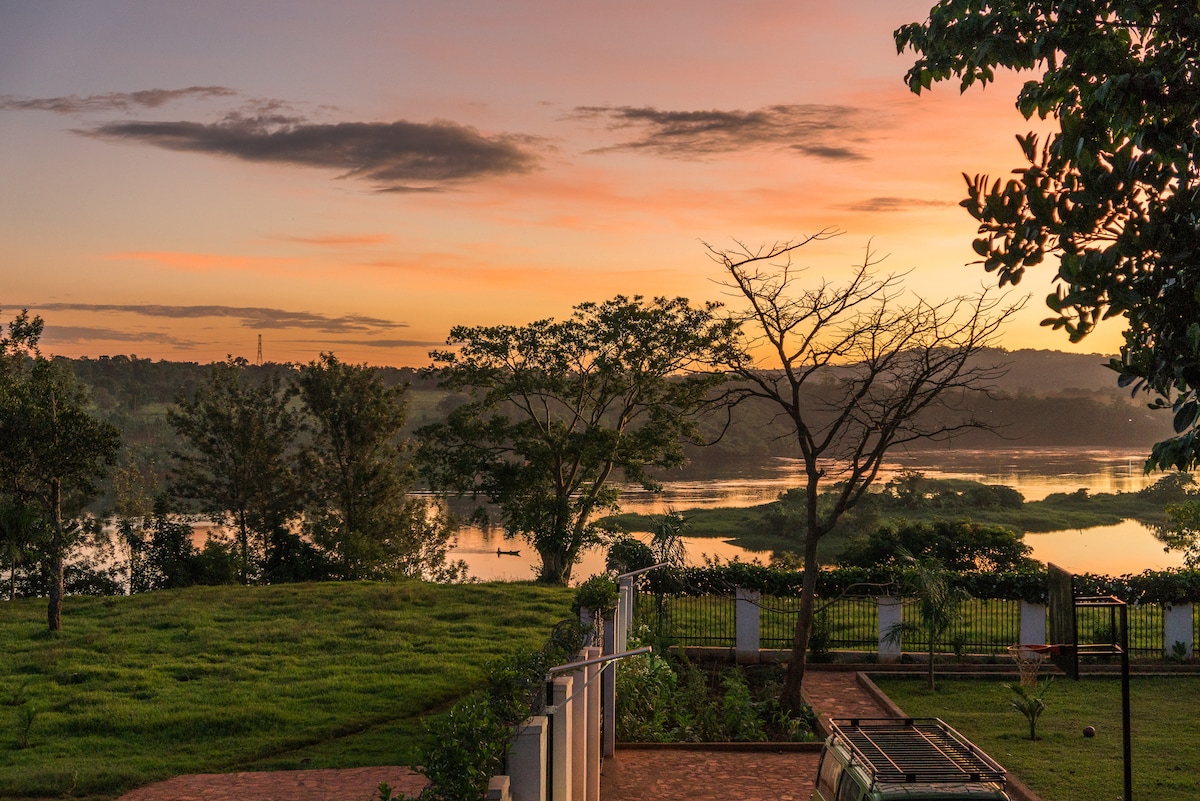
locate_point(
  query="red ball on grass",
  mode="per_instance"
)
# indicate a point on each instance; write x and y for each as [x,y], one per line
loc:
[1089,731]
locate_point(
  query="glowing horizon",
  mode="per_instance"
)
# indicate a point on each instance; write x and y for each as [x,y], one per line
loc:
[359,179]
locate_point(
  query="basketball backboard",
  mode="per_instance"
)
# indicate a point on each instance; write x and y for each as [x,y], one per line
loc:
[1064,633]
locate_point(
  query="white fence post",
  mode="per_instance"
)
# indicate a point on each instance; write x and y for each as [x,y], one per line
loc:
[608,692]
[747,626]
[579,732]
[624,612]
[593,727]
[1177,627]
[527,760]
[891,615]
[561,739]
[1033,624]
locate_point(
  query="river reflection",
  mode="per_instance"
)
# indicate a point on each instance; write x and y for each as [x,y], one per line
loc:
[1124,548]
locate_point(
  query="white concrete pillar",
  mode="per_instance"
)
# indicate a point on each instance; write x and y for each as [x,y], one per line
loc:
[1177,627]
[593,727]
[561,739]
[746,625]
[1033,624]
[579,733]
[527,760]
[608,693]
[890,617]
[624,612]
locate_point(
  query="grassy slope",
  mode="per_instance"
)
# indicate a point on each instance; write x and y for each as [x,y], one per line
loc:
[1062,765]
[215,679]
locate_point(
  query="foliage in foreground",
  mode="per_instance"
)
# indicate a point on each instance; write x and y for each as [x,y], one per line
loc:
[1110,194]
[1062,764]
[213,679]
[663,699]
[467,745]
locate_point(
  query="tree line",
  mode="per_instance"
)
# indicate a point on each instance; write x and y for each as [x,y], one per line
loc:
[302,470]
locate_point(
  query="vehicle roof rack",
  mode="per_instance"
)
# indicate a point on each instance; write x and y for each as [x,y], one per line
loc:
[907,750]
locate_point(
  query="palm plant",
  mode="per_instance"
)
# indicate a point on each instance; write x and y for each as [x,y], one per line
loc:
[939,603]
[1029,702]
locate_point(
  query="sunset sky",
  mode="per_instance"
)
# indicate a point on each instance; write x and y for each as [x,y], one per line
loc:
[357,177]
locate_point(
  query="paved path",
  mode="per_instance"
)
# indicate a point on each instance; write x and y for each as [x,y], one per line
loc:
[703,774]
[352,784]
[695,774]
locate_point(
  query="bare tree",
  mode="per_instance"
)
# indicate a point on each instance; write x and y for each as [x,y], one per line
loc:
[857,369]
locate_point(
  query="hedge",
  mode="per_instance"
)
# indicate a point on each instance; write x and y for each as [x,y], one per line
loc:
[1161,586]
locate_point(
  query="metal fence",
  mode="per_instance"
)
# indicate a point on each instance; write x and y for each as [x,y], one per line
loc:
[986,626]
[707,620]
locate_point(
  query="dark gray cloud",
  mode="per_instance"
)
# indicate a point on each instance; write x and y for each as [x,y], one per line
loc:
[71,335]
[111,101]
[886,204]
[396,156]
[816,129]
[830,152]
[248,316]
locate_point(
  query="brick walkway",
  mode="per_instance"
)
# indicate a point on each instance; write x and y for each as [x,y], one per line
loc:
[668,774]
[352,784]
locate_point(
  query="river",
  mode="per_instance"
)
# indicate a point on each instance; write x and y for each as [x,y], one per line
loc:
[1127,547]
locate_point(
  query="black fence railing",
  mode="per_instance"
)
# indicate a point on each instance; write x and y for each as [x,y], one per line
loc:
[985,626]
[705,620]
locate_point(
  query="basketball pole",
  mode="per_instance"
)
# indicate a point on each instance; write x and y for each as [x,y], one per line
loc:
[1125,715]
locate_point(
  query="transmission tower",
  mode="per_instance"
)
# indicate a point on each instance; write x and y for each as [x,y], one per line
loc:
[259,359]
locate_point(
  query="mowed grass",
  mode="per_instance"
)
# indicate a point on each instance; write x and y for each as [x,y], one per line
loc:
[1063,765]
[213,679]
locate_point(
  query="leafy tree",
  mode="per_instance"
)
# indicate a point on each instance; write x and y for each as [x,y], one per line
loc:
[855,371]
[359,513]
[237,461]
[1113,193]
[133,487]
[169,557]
[557,408]
[53,449]
[960,545]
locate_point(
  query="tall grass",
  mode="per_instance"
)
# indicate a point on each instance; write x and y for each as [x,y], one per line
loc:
[213,679]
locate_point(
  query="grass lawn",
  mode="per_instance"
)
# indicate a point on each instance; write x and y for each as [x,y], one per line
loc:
[1063,765]
[212,679]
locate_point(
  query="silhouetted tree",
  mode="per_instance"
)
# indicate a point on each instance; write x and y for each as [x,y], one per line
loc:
[557,408]
[236,465]
[358,477]
[53,449]
[854,370]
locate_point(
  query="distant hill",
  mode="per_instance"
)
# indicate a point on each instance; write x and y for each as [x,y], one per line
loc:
[1052,372]
[1046,398]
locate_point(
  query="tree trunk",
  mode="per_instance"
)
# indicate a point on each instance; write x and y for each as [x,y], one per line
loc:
[793,699]
[556,569]
[54,608]
[244,547]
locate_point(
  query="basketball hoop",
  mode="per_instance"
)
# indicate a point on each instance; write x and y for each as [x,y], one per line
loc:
[1029,659]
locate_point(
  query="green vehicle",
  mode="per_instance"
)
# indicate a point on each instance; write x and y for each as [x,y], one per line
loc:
[914,759]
